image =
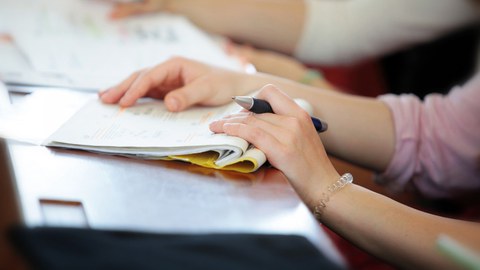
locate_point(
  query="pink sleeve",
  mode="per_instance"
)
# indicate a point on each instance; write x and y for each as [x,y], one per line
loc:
[437,142]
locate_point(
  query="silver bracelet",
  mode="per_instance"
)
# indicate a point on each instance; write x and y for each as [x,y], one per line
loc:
[340,183]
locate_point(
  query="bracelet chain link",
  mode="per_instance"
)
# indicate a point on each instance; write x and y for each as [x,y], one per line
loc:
[340,183]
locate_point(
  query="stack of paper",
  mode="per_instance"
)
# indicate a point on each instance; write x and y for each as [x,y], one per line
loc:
[73,43]
[148,131]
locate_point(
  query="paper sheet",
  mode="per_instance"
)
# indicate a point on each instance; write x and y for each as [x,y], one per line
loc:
[147,124]
[77,42]
[38,115]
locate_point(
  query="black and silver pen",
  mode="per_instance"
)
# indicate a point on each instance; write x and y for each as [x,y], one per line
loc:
[261,106]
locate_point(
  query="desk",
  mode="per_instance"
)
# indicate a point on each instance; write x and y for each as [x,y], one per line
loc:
[157,196]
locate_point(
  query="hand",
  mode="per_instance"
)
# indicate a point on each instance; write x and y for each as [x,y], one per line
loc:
[277,64]
[181,83]
[122,10]
[267,61]
[288,139]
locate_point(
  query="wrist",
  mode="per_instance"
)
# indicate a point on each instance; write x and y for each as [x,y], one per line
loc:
[323,202]
[189,8]
[310,76]
[321,195]
[315,186]
[173,6]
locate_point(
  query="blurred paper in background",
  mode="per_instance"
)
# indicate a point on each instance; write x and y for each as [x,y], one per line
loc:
[73,43]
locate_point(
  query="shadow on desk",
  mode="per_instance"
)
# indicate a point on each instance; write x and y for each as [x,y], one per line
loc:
[65,248]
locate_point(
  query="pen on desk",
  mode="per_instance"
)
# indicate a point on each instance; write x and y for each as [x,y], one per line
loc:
[261,106]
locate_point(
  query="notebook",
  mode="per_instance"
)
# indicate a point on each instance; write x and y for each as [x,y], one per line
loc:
[148,131]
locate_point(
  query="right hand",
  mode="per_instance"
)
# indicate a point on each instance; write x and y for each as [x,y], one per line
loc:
[181,83]
[288,139]
[122,10]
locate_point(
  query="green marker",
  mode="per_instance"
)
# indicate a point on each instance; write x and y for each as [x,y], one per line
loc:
[458,253]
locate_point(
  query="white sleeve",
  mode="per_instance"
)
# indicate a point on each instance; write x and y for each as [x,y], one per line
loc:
[343,31]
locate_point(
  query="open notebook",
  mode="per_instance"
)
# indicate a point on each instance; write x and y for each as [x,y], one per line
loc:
[148,131]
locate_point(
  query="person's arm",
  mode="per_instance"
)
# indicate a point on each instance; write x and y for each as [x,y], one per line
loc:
[369,119]
[183,83]
[278,64]
[273,24]
[399,234]
[359,128]
[321,32]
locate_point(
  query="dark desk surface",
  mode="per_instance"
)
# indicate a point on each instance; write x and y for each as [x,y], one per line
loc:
[76,188]
[154,195]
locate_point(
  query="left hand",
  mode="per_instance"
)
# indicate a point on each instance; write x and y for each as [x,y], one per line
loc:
[267,61]
[277,64]
[288,139]
[182,83]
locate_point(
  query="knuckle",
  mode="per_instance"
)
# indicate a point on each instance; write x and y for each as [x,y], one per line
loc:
[255,135]
[249,119]
[295,123]
[290,137]
[146,80]
[132,77]
[231,129]
[177,58]
[269,89]
[304,116]
[287,150]
[135,75]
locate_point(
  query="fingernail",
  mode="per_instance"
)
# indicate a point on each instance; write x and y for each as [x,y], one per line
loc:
[102,92]
[214,123]
[172,104]
[122,101]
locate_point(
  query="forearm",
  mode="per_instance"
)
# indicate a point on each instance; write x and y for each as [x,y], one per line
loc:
[272,24]
[392,231]
[369,119]
[361,130]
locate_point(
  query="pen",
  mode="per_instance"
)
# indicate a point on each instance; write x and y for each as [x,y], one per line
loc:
[261,106]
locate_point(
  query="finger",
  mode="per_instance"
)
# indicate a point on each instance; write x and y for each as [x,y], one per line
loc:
[238,114]
[261,136]
[175,75]
[143,83]
[122,10]
[245,51]
[276,123]
[281,103]
[217,125]
[113,94]
[199,91]
[162,77]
